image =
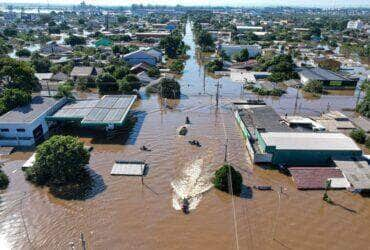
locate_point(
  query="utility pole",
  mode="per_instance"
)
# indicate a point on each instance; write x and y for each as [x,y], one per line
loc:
[107,21]
[296,102]
[217,92]
[204,79]
[277,215]
[225,158]
[83,242]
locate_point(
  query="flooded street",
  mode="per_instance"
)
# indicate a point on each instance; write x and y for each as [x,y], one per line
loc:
[121,213]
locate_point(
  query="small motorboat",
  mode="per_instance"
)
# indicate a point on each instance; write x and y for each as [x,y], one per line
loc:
[263,188]
[195,143]
[185,206]
[144,148]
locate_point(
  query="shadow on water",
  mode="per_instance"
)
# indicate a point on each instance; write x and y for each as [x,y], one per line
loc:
[247,192]
[90,185]
[135,131]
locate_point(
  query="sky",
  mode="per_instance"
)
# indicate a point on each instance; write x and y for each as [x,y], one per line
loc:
[246,3]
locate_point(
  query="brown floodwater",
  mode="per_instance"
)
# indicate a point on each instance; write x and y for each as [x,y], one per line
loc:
[121,213]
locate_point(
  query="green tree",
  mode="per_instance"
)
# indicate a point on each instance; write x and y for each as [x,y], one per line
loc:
[122,19]
[330,64]
[23,53]
[75,40]
[12,32]
[221,179]
[153,72]
[120,72]
[13,98]
[364,106]
[172,45]
[315,87]
[129,84]
[242,56]
[169,88]
[215,65]
[64,90]
[177,66]
[16,74]
[40,64]
[106,83]
[4,180]
[358,135]
[205,41]
[60,160]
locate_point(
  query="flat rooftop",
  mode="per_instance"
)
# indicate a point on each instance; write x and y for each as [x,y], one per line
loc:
[310,141]
[356,172]
[262,117]
[110,109]
[27,114]
[129,168]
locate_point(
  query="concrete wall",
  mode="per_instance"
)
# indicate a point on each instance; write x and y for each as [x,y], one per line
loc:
[309,157]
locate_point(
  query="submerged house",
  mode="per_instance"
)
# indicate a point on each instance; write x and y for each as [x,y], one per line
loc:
[83,72]
[150,57]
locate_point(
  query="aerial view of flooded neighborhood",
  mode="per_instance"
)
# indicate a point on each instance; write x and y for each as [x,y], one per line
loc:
[184,125]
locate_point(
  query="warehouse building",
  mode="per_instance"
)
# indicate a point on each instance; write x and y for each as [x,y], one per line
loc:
[269,140]
[26,126]
[302,149]
[329,79]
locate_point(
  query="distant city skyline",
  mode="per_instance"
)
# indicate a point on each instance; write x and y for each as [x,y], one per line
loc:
[235,3]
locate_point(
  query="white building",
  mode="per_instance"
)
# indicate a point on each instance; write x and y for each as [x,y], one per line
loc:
[355,25]
[25,126]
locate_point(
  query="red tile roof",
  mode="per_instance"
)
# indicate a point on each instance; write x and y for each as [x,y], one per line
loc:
[313,177]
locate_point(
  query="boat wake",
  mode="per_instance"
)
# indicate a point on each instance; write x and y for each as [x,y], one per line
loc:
[195,180]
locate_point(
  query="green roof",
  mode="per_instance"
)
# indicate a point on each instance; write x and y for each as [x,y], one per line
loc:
[103,42]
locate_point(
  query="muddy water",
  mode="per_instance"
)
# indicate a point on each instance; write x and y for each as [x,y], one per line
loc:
[121,213]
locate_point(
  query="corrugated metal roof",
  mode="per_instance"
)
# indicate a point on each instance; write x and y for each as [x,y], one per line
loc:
[111,109]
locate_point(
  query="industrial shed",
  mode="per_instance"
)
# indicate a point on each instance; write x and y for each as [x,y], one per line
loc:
[328,78]
[302,149]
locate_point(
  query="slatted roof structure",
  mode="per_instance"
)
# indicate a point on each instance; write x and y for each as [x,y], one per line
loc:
[110,109]
[130,168]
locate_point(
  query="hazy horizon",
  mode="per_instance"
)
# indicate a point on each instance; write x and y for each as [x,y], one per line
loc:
[232,3]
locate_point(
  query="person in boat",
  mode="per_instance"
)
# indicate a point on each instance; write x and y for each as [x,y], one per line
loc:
[185,205]
[144,148]
[187,120]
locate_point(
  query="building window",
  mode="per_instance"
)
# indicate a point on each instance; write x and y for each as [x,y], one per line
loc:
[21,130]
[4,130]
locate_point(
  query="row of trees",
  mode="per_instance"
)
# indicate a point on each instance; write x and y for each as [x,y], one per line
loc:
[19,80]
[203,38]
[173,45]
